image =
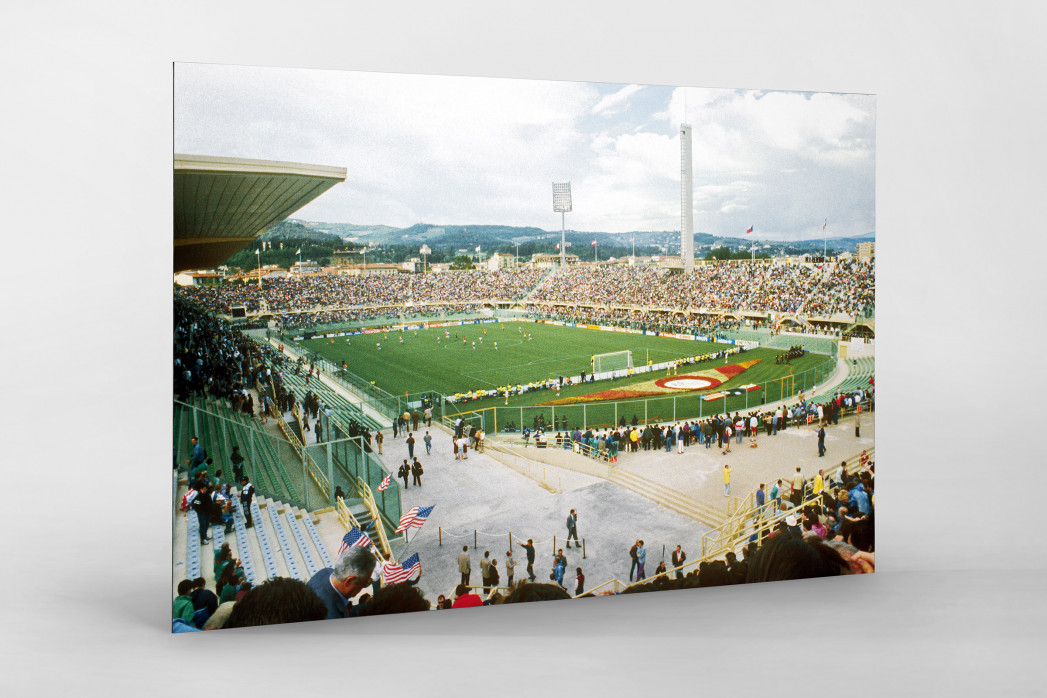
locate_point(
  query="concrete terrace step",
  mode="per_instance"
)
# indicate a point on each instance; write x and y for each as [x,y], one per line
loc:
[669,498]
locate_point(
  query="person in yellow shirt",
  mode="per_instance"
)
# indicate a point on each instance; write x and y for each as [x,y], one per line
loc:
[726,480]
[819,483]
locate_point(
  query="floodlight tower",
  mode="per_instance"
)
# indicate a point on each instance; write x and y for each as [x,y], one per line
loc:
[561,205]
[686,200]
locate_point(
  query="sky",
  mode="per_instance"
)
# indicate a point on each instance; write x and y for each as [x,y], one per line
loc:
[446,150]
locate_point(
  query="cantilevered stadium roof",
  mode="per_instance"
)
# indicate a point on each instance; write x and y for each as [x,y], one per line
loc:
[221,205]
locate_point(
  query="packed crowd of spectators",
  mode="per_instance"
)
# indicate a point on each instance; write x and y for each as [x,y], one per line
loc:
[645,319]
[845,287]
[299,293]
[292,321]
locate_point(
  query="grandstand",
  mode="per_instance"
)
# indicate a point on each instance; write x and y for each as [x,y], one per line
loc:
[514,490]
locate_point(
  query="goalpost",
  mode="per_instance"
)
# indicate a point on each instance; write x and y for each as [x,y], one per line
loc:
[612,361]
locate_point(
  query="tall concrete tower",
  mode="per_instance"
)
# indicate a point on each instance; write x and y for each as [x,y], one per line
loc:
[686,200]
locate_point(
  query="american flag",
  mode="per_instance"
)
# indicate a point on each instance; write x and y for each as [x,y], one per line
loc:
[393,573]
[354,537]
[385,483]
[414,518]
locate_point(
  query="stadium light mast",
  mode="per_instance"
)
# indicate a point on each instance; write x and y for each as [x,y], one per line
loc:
[424,251]
[562,205]
[686,200]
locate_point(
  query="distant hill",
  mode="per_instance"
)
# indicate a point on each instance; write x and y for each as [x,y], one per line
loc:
[450,238]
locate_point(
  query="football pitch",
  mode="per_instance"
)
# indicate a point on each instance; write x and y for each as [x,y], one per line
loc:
[465,358]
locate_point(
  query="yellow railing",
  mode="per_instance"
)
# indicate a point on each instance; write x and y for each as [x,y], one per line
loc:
[345,516]
[308,463]
[365,492]
[615,584]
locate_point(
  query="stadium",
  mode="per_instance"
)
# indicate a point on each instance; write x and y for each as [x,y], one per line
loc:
[695,423]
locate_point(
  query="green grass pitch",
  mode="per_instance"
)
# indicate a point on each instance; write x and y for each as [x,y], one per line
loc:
[427,360]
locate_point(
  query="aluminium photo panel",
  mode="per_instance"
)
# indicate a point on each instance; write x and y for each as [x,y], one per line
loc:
[444,342]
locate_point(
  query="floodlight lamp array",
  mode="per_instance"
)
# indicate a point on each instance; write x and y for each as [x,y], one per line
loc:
[562,197]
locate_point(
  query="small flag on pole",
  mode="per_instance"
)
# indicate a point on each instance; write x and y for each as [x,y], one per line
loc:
[299,251]
[385,483]
[355,537]
[594,242]
[393,573]
[414,518]
[749,230]
[257,251]
[825,223]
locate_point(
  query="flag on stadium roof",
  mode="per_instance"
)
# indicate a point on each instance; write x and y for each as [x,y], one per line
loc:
[355,537]
[749,230]
[414,518]
[385,483]
[393,573]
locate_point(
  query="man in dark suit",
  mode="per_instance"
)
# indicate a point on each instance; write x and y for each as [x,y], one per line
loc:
[404,472]
[338,585]
[679,557]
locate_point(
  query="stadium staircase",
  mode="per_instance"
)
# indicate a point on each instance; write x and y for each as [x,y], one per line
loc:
[669,498]
[285,541]
[657,493]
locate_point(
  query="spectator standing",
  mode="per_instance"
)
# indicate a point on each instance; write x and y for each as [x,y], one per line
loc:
[410,445]
[678,558]
[416,470]
[464,564]
[635,560]
[641,559]
[238,463]
[726,480]
[572,531]
[485,570]
[246,496]
[202,506]
[428,443]
[510,567]
[404,472]
[529,547]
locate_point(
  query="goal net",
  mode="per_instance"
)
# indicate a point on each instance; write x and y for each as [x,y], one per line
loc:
[614,361]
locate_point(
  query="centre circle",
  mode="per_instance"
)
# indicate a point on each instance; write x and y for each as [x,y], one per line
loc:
[688,383]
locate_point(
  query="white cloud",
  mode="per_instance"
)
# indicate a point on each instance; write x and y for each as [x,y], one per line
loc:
[444,150]
[616,102]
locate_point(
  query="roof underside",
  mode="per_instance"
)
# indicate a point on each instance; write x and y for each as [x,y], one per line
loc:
[221,205]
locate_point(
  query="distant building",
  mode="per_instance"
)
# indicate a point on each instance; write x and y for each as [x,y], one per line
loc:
[413,265]
[544,261]
[369,269]
[866,251]
[500,261]
[306,267]
[269,271]
[198,278]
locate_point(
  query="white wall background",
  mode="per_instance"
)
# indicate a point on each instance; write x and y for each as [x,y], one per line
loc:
[85,130]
